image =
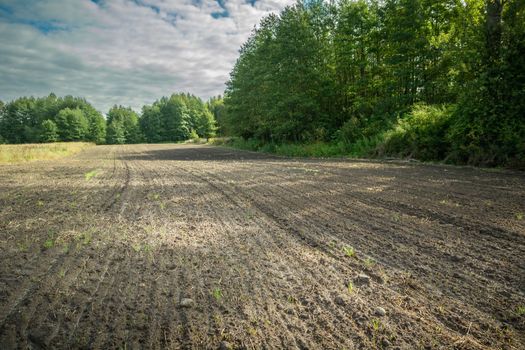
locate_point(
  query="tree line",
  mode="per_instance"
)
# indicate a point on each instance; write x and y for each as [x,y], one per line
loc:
[434,79]
[51,118]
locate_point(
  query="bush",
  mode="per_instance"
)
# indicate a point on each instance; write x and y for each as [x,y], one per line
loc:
[419,134]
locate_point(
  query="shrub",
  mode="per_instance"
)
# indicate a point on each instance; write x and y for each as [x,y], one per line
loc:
[419,134]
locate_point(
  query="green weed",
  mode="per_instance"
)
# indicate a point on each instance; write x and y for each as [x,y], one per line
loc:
[23,247]
[349,251]
[350,287]
[85,238]
[520,310]
[49,243]
[376,324]
[217,294]
[519,216]
[369,262]
[91,174]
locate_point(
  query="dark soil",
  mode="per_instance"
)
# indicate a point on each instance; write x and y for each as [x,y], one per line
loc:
[269,250]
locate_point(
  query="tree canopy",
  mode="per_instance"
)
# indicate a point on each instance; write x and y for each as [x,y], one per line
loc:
[49,119]
[348,71]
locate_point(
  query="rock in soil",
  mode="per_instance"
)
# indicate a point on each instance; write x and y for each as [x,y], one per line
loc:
[224,345]
[187,302]
[339,301]
[379,311]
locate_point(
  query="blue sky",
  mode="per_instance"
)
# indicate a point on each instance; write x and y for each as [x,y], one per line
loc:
[128,52]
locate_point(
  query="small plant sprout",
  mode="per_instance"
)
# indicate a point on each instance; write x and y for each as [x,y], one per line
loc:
[519,216]
[520,310]
[49,243]
[349,251]
[350,287]
[291,299]
[369,262]
[376,324]
[217,294]
[91,174]
[40,203]
[23,246]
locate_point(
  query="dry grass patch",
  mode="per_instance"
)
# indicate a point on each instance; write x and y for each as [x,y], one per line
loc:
[39,151]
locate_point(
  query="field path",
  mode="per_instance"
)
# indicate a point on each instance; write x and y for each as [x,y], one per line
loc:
[98,251]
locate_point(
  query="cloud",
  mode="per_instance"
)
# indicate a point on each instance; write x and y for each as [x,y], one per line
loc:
[128,52]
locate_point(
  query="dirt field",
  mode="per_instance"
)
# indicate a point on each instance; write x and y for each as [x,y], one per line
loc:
[99,250]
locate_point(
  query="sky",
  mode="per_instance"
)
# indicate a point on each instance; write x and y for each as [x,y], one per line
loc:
[128,52]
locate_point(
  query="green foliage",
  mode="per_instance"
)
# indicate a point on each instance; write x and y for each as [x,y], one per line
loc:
[433,80]
[420,134]
[177,118]
[49,131]
[349,251]
[123,126]
[72,124]
[49,119]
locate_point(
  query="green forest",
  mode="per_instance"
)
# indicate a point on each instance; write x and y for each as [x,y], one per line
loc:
[49,119]
[424,79]
[434,80]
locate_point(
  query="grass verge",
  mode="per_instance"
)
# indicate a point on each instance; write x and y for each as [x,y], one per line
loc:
[361,149]
[10,154]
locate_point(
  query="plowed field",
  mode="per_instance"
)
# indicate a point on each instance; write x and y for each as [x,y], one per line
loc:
[100,249]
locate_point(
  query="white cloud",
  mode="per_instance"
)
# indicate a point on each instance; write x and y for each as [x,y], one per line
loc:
[122,51]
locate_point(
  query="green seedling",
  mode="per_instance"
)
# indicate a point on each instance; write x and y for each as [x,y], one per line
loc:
[91,174]
[519,216]
[40,203]
[136,247]
[65,248]
[349,251]
[520,310]
[369,262]
[49,243]
[217,294]
[292,300]
[85,238]
[62,273]
[23,247]
[376,324]
[350,287]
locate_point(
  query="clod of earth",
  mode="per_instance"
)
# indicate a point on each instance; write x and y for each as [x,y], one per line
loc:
[362,280]
[339,300]
[187,302]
